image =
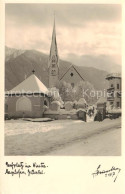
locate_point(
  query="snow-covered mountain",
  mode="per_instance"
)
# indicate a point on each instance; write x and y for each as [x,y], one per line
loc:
[20,63]
[11,53]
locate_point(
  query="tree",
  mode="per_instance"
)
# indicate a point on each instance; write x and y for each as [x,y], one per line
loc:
[55,96]
[85,90]
[65,91]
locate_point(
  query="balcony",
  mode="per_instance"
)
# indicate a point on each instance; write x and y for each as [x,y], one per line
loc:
[110,98]
[110,94]
[111,89]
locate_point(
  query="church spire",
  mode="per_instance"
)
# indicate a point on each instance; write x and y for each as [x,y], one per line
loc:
[53,62]
[54,49]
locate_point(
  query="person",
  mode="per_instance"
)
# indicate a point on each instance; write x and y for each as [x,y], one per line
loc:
[99,116]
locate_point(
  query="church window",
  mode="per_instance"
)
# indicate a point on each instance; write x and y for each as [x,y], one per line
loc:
[53,59]
[53,64]
[72,84]
[53,72]
[71,74]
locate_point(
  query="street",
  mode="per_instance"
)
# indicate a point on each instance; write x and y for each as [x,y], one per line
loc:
[63,137]
[102,144]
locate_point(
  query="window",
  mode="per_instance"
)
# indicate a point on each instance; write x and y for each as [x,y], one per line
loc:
[53,64]
[71,74]
[45,103]
[72,84]
[117,86]
[53,59]
[118,94]
[53,72]
[111,103]
[118,104]
[111,85]
[110,94]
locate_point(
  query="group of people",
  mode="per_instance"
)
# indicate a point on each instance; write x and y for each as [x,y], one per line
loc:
[91,111]
[96,114]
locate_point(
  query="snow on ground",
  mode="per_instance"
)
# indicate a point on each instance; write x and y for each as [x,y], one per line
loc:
[16,127]
[29,138]
[107,144]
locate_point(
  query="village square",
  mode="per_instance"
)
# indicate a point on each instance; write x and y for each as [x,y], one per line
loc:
[65,116]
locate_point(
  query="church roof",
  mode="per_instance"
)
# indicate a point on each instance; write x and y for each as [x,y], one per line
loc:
[75,70]
[54,49]
[30,85]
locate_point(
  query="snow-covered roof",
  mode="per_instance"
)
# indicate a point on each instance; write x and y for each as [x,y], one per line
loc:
[101,100]
[82,101]
[74,69]
[113,75]
[30,85]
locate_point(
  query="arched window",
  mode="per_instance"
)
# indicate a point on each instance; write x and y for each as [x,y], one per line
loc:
[45,103]
[53,64]
[23,104]
[53,59]
[53,72]
[72,84]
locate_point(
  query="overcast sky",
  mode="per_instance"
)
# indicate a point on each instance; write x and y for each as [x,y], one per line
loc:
[80,29]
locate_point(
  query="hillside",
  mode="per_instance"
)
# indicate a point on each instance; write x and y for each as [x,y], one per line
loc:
[11,53]
[20,63]
[102,62]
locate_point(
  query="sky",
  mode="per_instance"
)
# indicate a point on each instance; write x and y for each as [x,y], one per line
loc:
[81,29]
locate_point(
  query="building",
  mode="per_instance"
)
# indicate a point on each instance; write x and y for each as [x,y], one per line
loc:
[101,108]
[53,61]
[71,76]
[28,98]
[114,90]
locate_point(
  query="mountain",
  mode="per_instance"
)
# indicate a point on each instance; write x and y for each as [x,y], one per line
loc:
[20,63]
[11,53]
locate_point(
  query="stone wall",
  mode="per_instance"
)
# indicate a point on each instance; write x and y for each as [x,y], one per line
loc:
[61,116]
[37,104]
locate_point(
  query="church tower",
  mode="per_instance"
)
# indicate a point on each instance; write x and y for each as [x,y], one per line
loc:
[53,62]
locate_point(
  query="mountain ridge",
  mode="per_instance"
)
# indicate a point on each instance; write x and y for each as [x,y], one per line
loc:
[20,63]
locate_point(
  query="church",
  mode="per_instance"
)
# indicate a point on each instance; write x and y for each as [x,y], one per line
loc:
[28,98]
[71,76]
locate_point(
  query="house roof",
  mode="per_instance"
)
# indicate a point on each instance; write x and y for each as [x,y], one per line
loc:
[75,70]
[30,85]
[113,75]
[101,100]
